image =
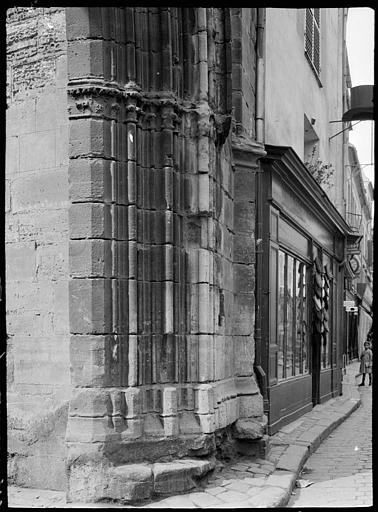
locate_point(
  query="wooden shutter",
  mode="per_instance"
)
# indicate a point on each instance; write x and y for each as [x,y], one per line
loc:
[316,47]
[312,37]
[309,32]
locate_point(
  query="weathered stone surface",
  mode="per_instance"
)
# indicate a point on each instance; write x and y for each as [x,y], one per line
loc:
[132,482]
[249,428]
[156,294]
[176,477]
[292,458]
[90,303]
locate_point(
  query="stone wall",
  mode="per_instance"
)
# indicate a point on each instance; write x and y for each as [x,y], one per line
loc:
[153,208]
[37,246]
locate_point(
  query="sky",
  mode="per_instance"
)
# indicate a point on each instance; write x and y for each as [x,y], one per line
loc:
[360,44]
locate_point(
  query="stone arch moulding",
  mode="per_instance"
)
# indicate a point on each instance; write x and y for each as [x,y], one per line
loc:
[144,126]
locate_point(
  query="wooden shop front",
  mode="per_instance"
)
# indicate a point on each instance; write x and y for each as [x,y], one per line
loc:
[300,241]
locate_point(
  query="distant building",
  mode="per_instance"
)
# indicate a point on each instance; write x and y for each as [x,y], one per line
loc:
[359,286]
[177,238]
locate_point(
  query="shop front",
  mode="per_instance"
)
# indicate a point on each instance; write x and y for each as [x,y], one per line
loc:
[300,283]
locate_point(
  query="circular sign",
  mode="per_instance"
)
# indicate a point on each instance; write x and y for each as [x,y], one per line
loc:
[355,264]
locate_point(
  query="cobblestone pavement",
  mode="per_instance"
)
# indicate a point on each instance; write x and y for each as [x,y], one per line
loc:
[267,483]
[341,468]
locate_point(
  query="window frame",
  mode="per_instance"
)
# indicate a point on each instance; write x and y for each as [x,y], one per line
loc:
[304,367]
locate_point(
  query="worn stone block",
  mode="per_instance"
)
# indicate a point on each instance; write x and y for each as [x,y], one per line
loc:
[244,249]
[87,356]
[29,296]
[177,477]
[244,278]
[40,190]
[249,428]
[248,386]
[89,220]
[37,151]
[52,261]
[46,112]
[90,402]
[204,399]
[42,360]
[21,261]
[90,258]
[131,482]
[244,355]
[12,155]
[244,217]
[41,228]
[90,306]
[85,57]
[82,429]
[61,146]
[244,314]
[90,138]
[60,307]
[27,322]
[89,180]
[21,117]
[205,357]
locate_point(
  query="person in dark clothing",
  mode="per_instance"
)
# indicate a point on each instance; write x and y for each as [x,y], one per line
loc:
[366,366]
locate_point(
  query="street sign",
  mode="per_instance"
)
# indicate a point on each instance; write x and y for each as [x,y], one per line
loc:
[352,309]
[349,303]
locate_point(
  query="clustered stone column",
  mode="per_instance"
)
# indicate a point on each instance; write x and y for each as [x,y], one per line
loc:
[151,238]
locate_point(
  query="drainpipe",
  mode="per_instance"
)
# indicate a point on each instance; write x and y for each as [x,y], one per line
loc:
[260,74]
[345,134]
[344,200]
[260,136]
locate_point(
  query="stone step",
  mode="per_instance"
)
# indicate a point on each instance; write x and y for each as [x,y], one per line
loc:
[136,482]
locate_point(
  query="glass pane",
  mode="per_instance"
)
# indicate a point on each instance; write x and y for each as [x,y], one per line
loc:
[305,361]
[280,314]
[299,319]
[273,314]
[289,317]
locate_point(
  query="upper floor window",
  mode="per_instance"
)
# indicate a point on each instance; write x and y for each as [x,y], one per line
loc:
[312,38]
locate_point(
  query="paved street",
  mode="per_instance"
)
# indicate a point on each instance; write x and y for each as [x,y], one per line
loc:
[341,468]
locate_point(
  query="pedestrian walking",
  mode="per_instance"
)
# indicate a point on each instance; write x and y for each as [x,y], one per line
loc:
[366,365]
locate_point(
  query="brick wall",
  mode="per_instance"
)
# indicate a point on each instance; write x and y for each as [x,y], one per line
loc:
[37,245]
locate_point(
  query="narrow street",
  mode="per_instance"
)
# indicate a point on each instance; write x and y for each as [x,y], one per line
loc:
[341,468]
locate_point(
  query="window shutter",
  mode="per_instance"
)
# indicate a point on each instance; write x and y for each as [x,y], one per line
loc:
[316,60]
[309,31]
[312,37]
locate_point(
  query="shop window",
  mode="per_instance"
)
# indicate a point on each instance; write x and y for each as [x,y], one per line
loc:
[292,340]
[312,38]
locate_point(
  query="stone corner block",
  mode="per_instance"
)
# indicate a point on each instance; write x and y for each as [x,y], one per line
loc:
[90,258]
[90,306]
[89,180]
[89,220]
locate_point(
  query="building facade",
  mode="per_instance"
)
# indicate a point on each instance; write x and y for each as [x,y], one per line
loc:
[175,271]
[359,283]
